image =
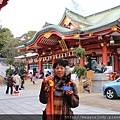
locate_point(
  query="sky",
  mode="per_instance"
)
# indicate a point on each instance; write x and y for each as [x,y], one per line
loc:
[21,16]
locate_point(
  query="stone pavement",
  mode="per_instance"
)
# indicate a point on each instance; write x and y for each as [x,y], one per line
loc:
[28,102]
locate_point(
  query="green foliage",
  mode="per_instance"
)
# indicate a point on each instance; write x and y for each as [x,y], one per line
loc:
[8,43]
[9,50]
[5,35]
[9,71]
[10,61]
[79,70]
[79,52]
[21,70]
[27,37]
[20,66]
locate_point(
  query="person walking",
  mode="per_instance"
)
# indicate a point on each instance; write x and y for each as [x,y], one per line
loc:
[22,81]
[17,84]
[31,76]
[34,78]
[9,84]
[59,93]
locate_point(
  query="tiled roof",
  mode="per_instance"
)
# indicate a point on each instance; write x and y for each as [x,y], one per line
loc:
[59,29]
[103,18]
[92,22]
[77,18]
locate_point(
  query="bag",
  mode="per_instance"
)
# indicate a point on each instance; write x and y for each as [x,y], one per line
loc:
[44,115]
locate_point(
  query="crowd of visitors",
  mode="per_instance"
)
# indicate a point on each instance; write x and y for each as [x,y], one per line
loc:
[16,82]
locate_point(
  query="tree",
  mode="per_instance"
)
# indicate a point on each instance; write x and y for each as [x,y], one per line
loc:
[9,71]
[9,50]
[26,37]
[79,70]
[5,35]
[8,43]
[10,61]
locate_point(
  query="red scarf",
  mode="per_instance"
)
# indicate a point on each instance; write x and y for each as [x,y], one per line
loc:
[50,105]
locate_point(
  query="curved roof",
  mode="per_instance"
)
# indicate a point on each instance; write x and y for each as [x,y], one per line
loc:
[96,20]
[62,30]
[94,23]
[103,18]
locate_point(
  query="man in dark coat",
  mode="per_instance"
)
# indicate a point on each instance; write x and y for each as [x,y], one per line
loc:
[9,84]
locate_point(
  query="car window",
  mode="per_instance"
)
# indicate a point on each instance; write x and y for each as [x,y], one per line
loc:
[118,80]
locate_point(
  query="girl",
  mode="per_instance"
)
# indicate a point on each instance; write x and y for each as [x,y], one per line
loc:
[59,92]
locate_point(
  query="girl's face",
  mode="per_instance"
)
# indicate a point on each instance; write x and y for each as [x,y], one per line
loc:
[60,71]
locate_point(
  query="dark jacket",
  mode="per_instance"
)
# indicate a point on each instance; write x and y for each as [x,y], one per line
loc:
[70,101]
[9,81]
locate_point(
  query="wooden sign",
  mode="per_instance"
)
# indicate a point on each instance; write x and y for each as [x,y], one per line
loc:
[90,74]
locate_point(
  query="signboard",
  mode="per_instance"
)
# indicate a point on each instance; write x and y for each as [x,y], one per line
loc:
[90,74]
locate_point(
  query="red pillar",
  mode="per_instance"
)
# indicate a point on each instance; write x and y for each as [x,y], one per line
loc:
[40,64]
[53,60]
[82,62]
[104,54]
[115,63]
[115,60]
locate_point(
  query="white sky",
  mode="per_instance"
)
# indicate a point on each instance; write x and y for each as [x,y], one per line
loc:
[20,16]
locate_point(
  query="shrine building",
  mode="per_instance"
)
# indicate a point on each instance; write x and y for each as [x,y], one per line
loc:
[98,34]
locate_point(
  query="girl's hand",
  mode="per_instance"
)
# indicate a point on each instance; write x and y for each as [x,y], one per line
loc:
[69,92]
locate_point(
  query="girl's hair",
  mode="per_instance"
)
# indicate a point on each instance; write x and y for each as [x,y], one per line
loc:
[60,62]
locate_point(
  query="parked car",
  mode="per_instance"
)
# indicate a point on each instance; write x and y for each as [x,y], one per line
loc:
[112,89]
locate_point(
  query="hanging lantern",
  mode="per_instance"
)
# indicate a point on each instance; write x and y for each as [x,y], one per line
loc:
[111,40]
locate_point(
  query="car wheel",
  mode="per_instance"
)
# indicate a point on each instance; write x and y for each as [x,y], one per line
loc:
[110,93]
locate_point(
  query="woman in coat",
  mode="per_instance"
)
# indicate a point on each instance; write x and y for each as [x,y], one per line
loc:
[59,93]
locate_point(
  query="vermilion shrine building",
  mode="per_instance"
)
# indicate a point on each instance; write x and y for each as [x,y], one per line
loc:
[98,33]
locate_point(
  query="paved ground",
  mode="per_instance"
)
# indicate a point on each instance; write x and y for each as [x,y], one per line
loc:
[27,102]
[100,101]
